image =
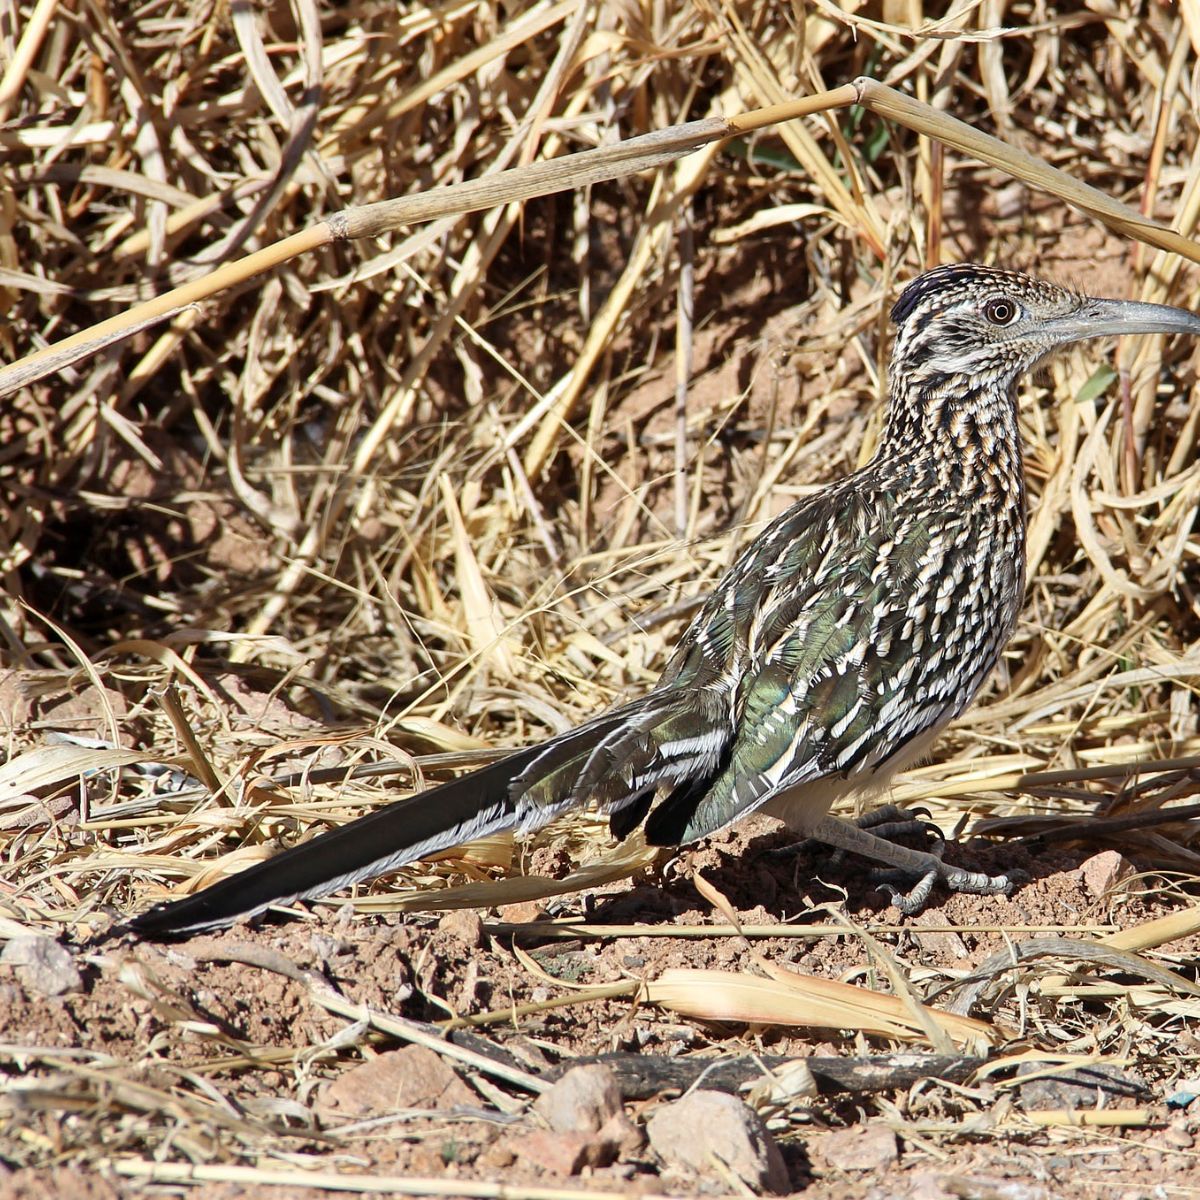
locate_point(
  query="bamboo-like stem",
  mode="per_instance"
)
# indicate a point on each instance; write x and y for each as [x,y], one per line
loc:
[647,152]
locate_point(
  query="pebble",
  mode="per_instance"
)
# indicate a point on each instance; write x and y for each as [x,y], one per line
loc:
[582,1101]
[1102,872]
[870,1147]
[585,1104]
[1178,1135]
[1079,1087]
[43,965]
[465,926]
[412,1077]
[522,912]
[562,1153]
[687,1133]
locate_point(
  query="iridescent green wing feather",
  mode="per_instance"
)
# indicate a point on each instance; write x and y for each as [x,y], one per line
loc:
[825,660]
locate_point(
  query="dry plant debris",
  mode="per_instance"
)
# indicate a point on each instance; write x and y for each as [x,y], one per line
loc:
[403,502]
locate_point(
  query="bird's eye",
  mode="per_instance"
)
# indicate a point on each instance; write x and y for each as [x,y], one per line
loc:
[1000,311]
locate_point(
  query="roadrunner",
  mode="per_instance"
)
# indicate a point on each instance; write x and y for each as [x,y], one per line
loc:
[828,657]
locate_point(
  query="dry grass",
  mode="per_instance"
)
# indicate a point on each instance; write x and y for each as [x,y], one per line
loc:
[407,499]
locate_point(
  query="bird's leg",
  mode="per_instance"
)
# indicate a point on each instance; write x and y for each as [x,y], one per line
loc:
[888,822]
[922,865]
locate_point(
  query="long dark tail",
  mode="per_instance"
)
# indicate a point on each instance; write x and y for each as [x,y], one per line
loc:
[617,761]
[471,807]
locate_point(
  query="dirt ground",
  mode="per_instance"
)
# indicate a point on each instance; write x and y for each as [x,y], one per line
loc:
[218,1046]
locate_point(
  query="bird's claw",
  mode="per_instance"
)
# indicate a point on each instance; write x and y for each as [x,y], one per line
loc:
[915,898]
[893,823]
[955,879]
[888,813]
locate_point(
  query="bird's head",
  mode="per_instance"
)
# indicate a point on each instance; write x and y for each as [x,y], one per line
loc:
[990,326]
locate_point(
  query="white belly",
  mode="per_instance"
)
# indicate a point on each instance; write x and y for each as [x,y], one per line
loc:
[801,807]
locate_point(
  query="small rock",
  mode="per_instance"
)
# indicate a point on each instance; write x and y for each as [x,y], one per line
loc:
[1186,1093]
[942,942]
[1178,1135]
[1076,1087]
[1102,872]
[42,965]
[688,1132]
[582,1101]
[414,1077]
[865,1148]
[497,1156]
[465,926]
[677,1037]
[561,1153]
[622,1136]
[586,1101]
[522,912]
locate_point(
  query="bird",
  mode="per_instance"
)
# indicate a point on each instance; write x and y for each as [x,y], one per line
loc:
[828,657]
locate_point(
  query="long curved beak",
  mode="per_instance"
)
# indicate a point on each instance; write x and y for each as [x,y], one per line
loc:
[1100,318]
